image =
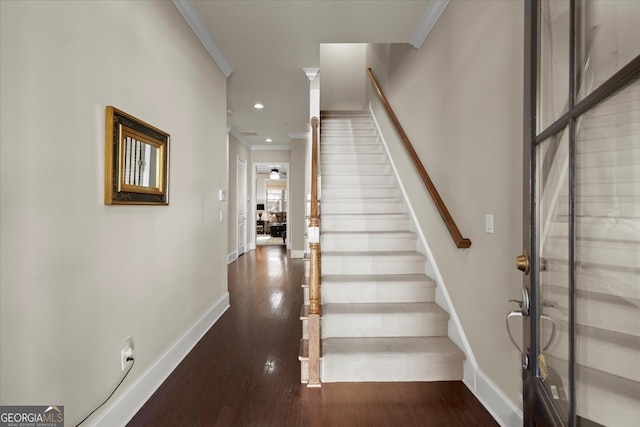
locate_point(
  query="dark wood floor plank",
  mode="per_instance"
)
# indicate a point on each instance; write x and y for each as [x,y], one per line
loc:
[245,369]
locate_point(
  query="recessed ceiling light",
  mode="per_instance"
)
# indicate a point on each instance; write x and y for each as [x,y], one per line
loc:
[258,106]
[269,140]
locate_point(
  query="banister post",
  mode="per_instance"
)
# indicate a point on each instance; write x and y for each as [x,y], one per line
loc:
[314,266]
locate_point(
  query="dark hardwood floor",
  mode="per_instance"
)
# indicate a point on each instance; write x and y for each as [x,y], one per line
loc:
[245,370]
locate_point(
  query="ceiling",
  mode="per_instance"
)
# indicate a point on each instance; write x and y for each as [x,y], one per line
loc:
[263,46]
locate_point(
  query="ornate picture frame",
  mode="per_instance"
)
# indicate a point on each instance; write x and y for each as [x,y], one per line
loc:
[136,161]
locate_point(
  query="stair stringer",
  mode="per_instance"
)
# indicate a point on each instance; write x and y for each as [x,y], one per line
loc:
[498,404]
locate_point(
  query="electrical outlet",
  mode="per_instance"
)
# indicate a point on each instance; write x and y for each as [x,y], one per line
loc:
[126,352]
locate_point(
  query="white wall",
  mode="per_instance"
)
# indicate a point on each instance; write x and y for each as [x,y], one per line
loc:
[344,84]
[78,277]
[459,99]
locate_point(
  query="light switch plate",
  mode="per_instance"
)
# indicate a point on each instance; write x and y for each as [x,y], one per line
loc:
[488,223]
[222,195]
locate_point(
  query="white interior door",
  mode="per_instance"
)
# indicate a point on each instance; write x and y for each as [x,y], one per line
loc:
[242,205]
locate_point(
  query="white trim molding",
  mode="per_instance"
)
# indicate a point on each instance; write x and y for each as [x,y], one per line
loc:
[499,406]
[428,21]
[299,135]
[232,257]
[240,137]
[191,15]
[310,74]
[270,147]
[136,395]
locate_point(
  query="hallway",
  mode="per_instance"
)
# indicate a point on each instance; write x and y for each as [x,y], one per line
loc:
[245,370]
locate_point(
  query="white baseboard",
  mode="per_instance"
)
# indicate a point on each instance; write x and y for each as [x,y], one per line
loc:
[232,257]
[494,401]
[124,408]
[297,254]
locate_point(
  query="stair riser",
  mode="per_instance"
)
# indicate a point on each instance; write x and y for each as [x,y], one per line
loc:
[304,371]
[407,367]
[347,124]
[359,207]
[351,149]
[370,243]
[358,180]
[333,168]
[332,141]
[329,193]
[349,267]
[347,132]
[344,223]
[389,325]
[356,158]
[377,293]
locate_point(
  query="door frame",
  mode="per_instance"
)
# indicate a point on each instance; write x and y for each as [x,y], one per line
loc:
[254,193]
[241,193]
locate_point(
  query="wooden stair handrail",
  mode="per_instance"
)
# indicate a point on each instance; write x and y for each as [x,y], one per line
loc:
[461,242]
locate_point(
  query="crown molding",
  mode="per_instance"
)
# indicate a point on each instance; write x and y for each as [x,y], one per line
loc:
[428,21]
[240,137]
[192,17]
[270,147]
[299,135]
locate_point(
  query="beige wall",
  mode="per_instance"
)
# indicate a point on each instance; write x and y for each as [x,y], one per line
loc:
[296,222]
[78,277]
[459,98]
[344,85]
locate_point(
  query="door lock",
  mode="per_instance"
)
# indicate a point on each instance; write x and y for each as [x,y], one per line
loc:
[523,262]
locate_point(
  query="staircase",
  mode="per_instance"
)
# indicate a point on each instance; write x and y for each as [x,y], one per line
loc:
[608,263]
[380,321]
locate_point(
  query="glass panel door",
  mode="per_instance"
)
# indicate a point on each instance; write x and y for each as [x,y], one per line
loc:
[582,144]
[607,263]
[553,290]
[609,34]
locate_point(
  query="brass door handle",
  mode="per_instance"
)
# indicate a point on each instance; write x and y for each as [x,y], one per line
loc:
[523,262]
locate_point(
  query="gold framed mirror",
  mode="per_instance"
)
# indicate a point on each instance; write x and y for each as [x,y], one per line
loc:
[136,161]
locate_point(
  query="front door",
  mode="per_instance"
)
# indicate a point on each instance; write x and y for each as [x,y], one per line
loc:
[581,362]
